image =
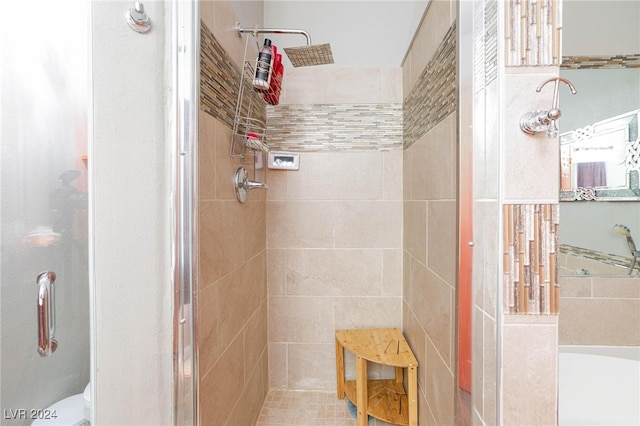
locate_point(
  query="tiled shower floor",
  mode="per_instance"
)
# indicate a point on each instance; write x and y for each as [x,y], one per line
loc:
[298,408]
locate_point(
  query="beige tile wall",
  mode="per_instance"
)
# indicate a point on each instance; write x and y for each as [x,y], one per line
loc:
[336,85]
[600,311]
[430,236]
[430,270]
[232,287]
[334,237]
[233,356]
[530,354]
[530,162]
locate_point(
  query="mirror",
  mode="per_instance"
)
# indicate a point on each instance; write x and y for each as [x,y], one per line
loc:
[598,128]
[600,162]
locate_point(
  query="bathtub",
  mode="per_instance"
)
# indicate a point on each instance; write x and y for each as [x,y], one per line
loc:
[599,385]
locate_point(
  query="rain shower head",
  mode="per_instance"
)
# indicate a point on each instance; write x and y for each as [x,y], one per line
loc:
[301,56]
[305,56]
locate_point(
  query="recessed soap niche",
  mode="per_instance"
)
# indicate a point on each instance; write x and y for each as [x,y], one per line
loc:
[283,160]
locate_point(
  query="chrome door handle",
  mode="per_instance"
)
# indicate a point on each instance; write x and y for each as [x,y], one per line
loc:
[46,313]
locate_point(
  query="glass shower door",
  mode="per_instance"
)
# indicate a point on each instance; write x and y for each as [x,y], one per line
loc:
[44,116]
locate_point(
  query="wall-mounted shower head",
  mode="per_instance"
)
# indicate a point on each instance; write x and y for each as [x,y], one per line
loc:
[624,230]
[301,56]
[311,55]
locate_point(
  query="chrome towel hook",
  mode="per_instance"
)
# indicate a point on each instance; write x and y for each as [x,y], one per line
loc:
[545,119]
[137,19]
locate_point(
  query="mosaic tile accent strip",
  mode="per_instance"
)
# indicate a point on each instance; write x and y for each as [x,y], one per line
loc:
[594,62]
[434,96]
[334,127]
[485,43]
[479,59]
[490,41]
[530,276]
[220,81]
[608,259]
[532,32]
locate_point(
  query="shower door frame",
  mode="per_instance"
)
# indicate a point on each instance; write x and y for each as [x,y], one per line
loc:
[185,54]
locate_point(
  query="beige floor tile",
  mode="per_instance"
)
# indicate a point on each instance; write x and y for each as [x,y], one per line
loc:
[302,408]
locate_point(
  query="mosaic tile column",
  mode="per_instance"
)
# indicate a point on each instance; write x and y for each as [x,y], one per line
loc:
[530,276]
[532,32]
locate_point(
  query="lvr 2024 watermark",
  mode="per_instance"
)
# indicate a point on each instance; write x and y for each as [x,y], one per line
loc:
[28,414]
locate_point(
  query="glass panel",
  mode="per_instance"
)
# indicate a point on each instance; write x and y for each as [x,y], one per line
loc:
[45,98]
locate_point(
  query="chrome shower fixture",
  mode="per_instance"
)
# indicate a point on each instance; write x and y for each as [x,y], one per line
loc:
[545,119]
[300,56]
[311,55]
[624,230]
[243,185]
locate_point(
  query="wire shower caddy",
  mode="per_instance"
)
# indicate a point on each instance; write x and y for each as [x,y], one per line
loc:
[249,133]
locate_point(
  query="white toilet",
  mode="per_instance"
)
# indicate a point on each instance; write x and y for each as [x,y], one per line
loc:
[71,411]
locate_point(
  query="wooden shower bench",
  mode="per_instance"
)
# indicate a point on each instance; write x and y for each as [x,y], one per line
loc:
[384,399]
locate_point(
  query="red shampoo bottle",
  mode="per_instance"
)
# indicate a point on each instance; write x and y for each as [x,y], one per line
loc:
[272,96]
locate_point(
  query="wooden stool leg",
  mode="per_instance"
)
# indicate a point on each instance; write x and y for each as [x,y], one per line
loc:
[361,391]
[412,378]
[340,369]
[399,374]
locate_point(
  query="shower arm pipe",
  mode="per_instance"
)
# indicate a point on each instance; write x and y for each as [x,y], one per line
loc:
[255,31]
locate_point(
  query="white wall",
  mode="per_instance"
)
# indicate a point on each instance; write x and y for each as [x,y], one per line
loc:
[600,27]
[361,33]
[130,215]
[602,93]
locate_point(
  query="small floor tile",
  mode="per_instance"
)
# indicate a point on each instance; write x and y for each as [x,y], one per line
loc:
[302,408]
